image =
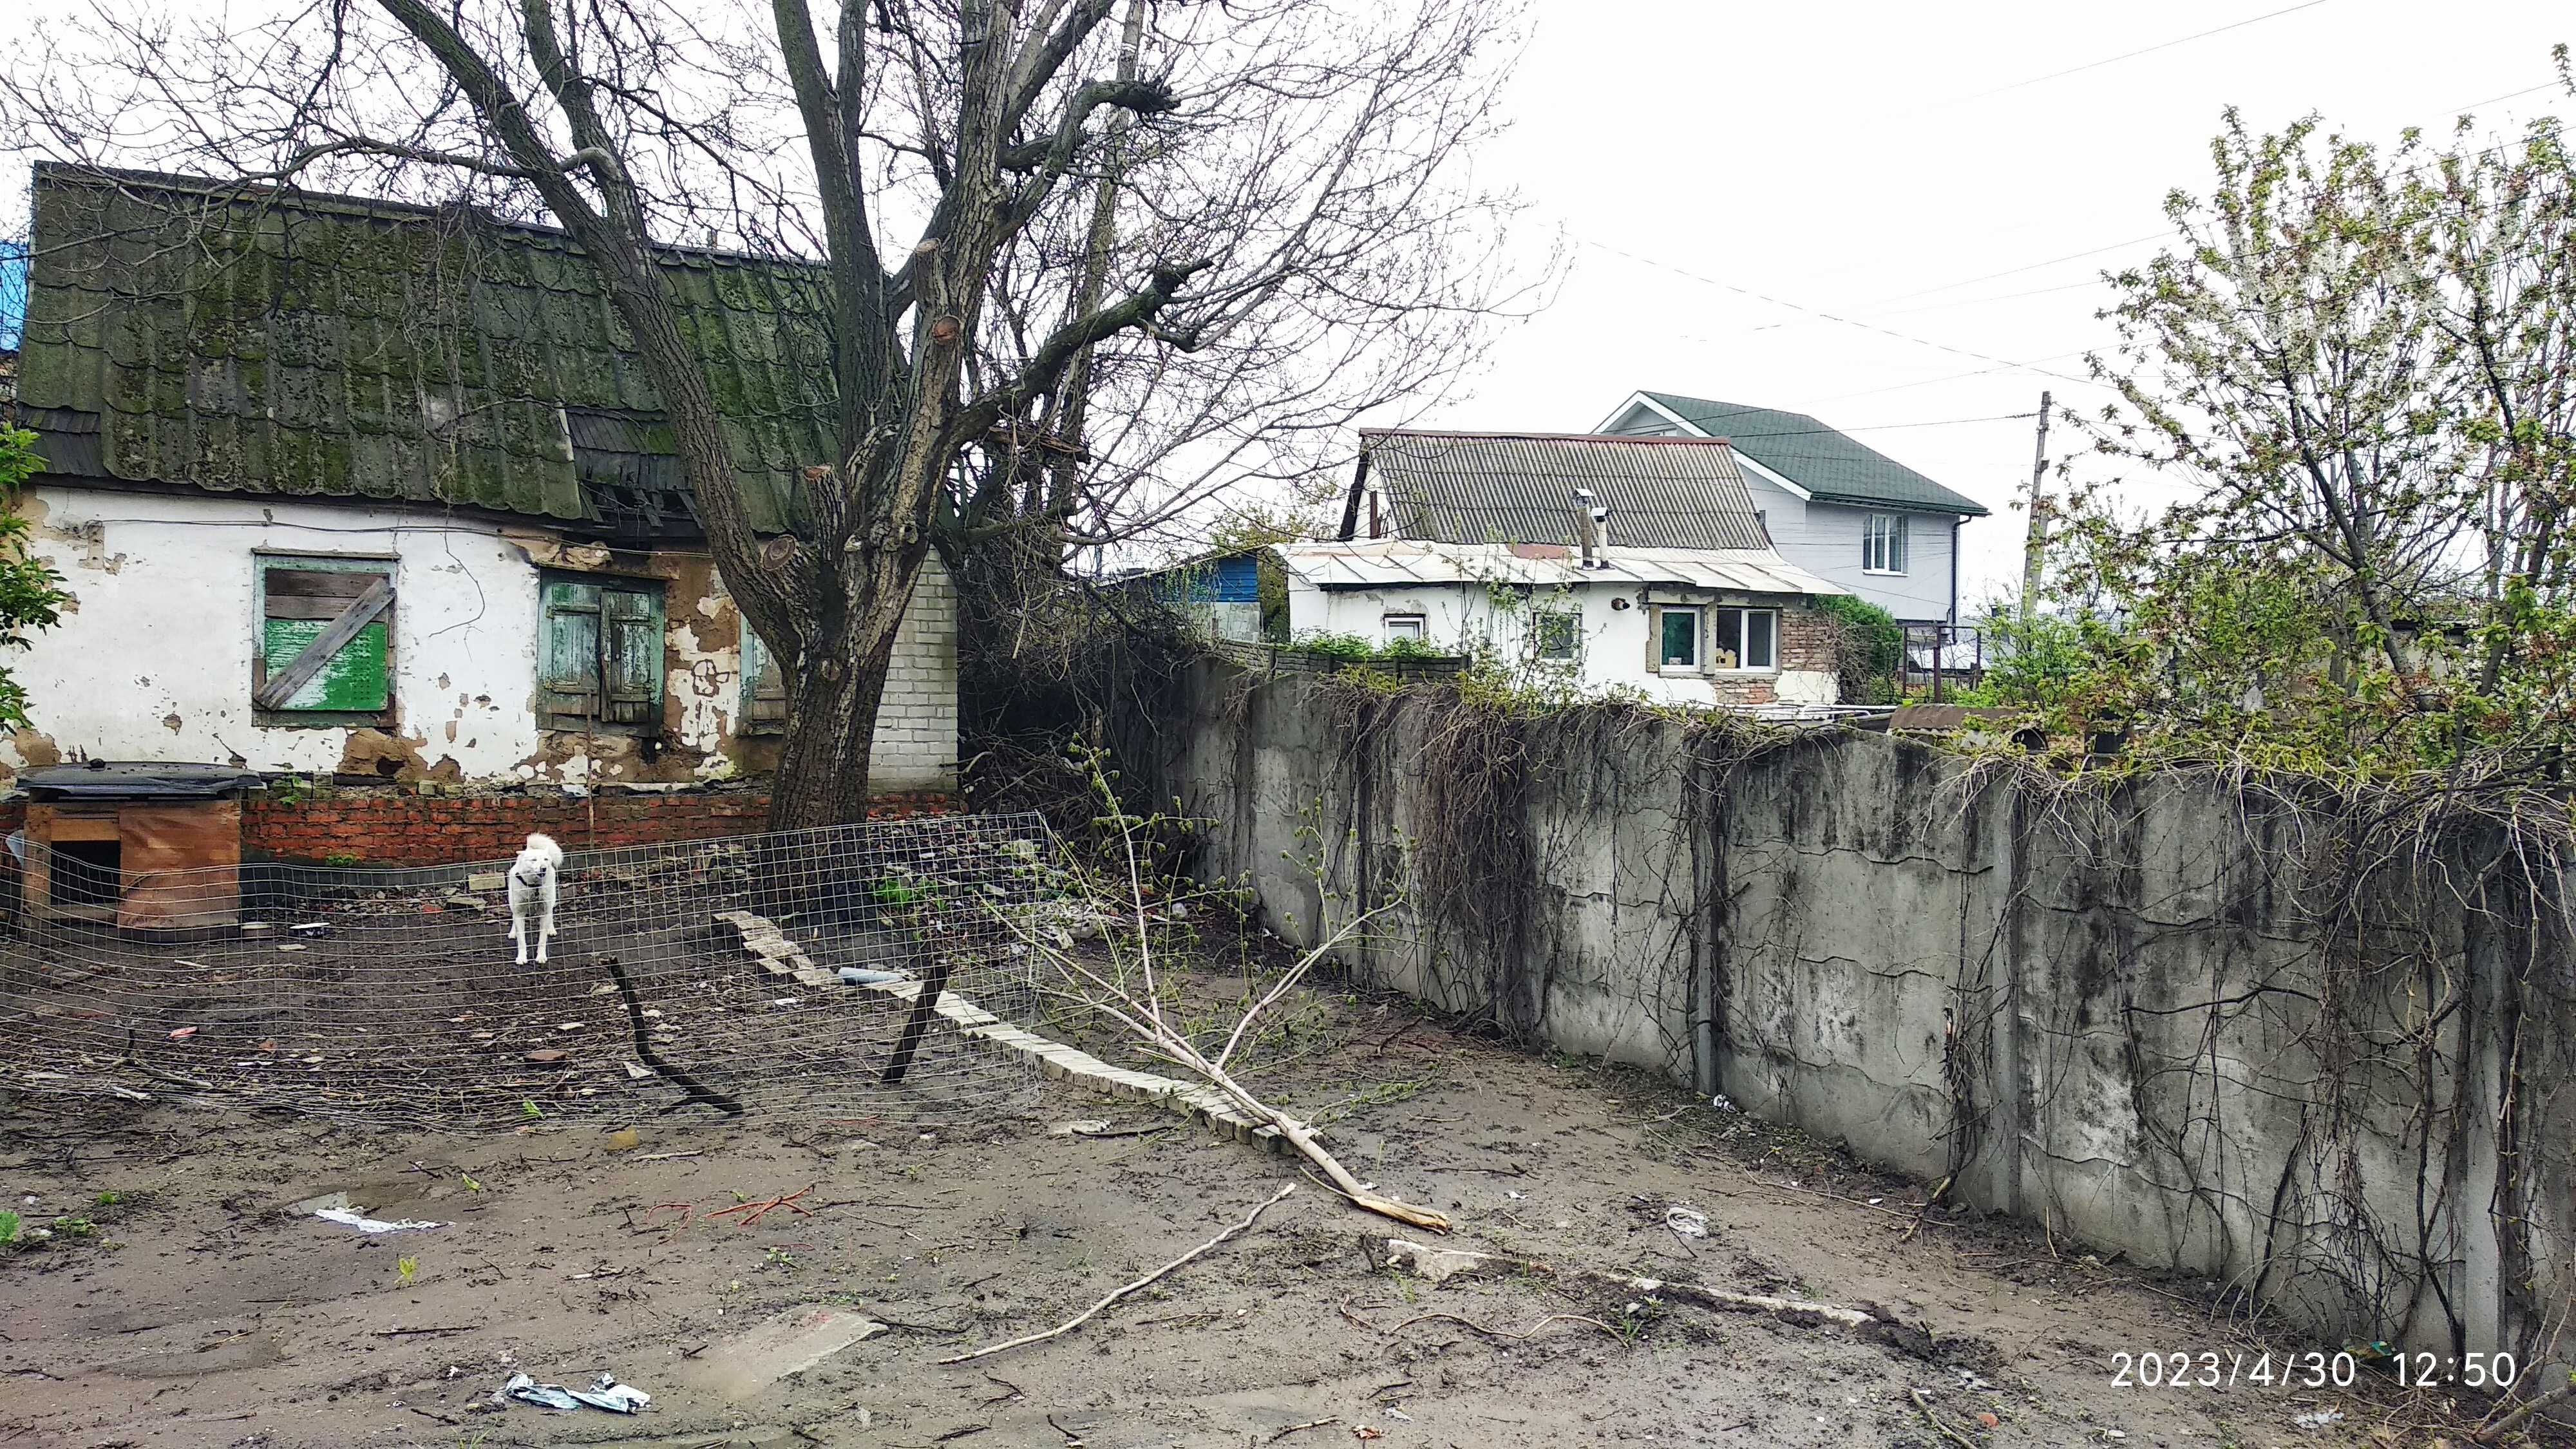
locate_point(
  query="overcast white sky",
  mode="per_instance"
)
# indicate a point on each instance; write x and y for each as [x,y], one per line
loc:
[1956,174]
[1866,160]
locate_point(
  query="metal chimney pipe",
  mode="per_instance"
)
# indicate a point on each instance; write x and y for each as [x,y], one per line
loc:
[1587,525]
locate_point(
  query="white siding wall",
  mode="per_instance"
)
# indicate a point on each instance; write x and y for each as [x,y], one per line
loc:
[1825,538]
[1462,618]
[152,661]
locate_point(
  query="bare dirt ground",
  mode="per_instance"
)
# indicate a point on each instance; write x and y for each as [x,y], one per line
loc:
[190,1309]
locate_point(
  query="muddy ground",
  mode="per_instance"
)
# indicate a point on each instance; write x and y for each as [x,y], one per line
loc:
[189,1308]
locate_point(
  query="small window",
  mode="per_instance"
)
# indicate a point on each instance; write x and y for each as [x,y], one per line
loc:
[326,639]
[1557,635]
[1403,626]
[601,667]
[1882,544]
[1744,638]
[764,687]
[1762,521]
[1677,639]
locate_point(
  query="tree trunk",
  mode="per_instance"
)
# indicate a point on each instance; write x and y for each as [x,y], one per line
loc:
[834,696]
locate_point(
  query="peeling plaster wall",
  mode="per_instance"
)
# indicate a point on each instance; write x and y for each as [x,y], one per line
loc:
[152,659]
[2105,1018]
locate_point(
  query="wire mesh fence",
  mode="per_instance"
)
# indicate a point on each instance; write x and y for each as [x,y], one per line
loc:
[788,974]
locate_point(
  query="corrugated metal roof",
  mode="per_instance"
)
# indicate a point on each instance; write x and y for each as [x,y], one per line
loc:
[1395,563]
[1519,488]
[282,342]
[1833,466]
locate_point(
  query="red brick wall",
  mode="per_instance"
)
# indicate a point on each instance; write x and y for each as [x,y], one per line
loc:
[385,827]
[1731,689]
[1808,640]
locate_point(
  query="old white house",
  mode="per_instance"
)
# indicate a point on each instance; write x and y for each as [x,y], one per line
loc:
[339,486]
[1627,563]
[1829,503]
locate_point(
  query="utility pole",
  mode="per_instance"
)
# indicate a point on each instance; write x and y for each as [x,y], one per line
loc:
[2034,549]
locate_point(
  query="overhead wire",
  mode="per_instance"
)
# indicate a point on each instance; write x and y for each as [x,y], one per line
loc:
[2127,55]
[1815,311]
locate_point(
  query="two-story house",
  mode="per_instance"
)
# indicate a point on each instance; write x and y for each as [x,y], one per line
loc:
[1829,503]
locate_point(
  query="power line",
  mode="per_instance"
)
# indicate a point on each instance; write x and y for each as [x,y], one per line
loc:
[2017,271]
[1733,436]
[2508,96]
[1952,377]
[2166,234]
[1998,362]
[1998,297]
[2132,54]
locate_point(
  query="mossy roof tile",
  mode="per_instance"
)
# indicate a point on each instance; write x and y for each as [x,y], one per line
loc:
[263,341]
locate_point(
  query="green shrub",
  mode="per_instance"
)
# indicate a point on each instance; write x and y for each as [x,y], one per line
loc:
[1871,649]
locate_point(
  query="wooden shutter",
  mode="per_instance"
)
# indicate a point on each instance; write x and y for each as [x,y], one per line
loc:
[600,662]
[631,659]
[325,638]
[568,656]
[764,687]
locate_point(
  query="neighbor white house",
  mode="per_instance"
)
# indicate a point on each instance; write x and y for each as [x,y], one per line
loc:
[1830,504]
[349,488]
[1612,563]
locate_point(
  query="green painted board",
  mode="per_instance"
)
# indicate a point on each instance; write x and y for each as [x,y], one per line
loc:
[354,680]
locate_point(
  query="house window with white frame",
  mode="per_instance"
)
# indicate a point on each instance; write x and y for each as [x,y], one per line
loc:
[1882,544]
[1693,640]
[1743,639]
[1677,640]
[1404,626]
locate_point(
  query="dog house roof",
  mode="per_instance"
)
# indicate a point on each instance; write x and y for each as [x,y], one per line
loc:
[135,780]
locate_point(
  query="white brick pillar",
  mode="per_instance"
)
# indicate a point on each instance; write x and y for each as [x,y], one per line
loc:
[916,743]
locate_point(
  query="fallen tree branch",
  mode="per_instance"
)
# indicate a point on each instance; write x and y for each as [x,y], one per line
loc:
[1923,1406]
[1524,1334]
[697,1091]
[1441,1264]
[2489,1433]
[753,1212]
[1139,1285]
[1139,1010]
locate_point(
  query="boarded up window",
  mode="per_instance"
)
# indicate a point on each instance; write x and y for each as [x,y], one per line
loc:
[326,639]
[600,662]
[764,688]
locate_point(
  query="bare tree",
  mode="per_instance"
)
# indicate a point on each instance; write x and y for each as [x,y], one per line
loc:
[1287,165]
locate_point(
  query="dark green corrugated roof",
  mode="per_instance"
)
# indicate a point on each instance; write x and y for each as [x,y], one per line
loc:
[282,342]
[1833,466]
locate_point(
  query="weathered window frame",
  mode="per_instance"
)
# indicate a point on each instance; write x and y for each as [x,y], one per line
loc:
[563,703]
[1545,625]
[760,711]
[263,563]
[1395,626]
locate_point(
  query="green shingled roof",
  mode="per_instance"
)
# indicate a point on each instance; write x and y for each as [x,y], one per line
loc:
[1833,466]
[287,343]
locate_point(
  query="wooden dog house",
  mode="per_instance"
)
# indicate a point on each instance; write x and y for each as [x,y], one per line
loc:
[145,846]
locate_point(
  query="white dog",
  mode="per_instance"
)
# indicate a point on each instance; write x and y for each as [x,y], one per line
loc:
[532,878]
